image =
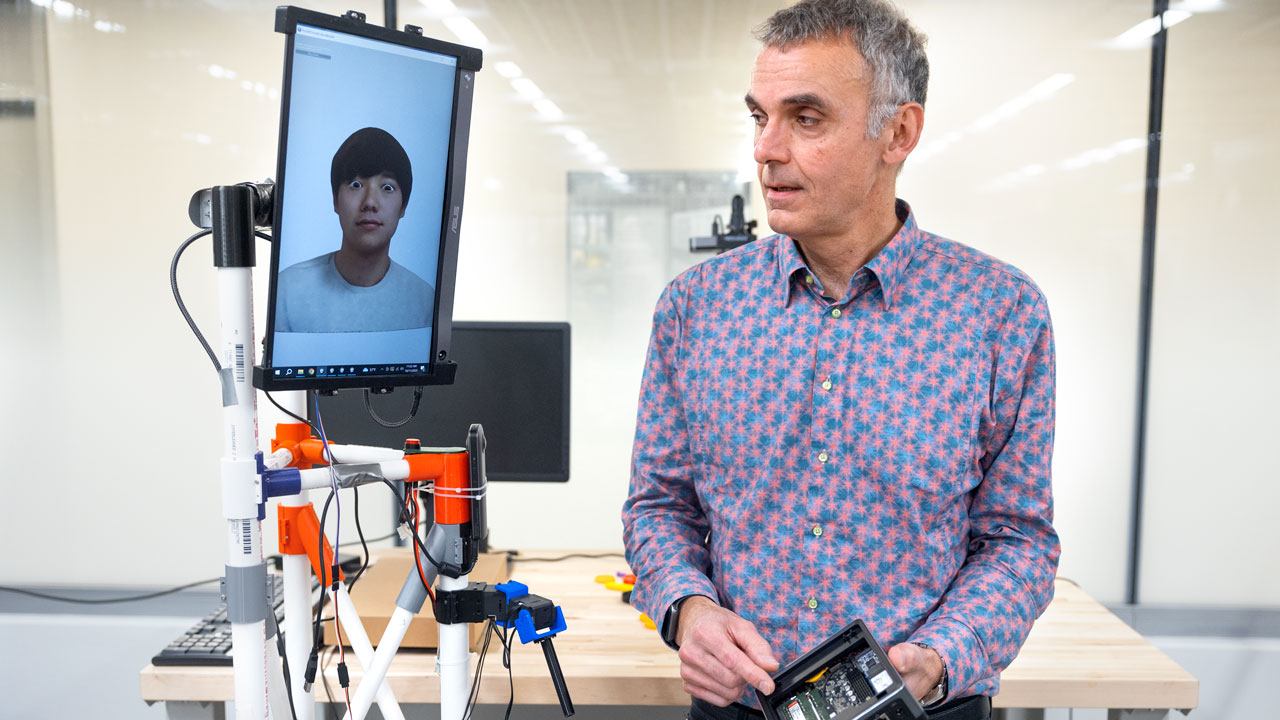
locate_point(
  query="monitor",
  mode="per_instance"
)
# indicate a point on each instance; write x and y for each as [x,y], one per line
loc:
[512,378]
[368,202]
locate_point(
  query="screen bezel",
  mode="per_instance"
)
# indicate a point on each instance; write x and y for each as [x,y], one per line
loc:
[439,368]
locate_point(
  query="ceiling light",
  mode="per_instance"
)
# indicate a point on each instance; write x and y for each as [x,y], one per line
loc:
[1136,36]
[547,109]
[508,69]
[466,31]
[440,8]
[1042,91]
[576,136]
[527,88]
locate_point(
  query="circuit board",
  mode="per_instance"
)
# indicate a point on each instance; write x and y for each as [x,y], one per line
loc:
[847,678]
[840,688]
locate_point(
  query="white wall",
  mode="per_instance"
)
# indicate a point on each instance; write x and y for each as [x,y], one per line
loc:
[138,123]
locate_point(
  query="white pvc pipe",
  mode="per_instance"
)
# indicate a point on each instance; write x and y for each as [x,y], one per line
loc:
[276,695]
[278,459]
[362,453]
[316,478]
[354,630]
[247,642]
[240,442]
[297,630]
[376,671]
[453,660]
[297,587]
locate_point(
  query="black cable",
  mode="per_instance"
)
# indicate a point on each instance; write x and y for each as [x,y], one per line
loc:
[413,410]
[324,679]
[405,516]
[105,601]
[417,566]
[288,681]
[177,295]
[474,695]
[506,662]
[562,558]
[314,430]
[355,495]
[317,633]
[182,307]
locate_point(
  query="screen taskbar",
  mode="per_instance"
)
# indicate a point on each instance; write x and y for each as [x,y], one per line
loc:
[323,371]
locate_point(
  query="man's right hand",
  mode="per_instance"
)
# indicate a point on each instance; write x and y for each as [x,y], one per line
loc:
[721,653]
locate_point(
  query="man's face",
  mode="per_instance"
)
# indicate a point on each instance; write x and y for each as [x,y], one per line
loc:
[369,209]
[816,165]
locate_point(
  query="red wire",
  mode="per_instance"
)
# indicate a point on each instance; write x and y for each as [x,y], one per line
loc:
[342,654]
[417,560]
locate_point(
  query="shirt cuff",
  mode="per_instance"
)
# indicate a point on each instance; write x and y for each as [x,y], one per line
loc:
[960,649]
[656,595]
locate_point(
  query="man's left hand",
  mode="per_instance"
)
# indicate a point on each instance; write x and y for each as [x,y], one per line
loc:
[920,668]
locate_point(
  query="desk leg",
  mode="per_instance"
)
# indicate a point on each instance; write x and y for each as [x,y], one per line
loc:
[184,710]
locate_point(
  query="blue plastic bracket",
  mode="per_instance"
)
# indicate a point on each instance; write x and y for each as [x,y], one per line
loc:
[528,633]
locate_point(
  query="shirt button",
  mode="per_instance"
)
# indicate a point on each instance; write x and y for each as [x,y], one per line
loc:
[823,456]
[808,279]
[817,531]
[835,312]
[826,384]
[812,603]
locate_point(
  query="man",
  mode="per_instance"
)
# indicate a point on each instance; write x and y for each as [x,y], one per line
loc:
[359,288]
[851,419]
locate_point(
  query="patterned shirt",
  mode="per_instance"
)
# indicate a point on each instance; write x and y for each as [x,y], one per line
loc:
[884,456]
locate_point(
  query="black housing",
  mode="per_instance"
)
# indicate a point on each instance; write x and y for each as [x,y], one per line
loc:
[440,370]
[893,702]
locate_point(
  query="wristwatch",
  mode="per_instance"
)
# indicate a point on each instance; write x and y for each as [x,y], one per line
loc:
[939,691]
[669,622]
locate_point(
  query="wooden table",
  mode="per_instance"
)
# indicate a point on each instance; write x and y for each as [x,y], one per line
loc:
[1079,655]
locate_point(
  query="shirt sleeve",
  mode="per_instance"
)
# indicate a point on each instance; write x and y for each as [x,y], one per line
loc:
[1006,582]
[664,526]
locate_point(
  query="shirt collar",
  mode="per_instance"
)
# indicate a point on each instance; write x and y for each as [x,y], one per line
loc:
[888,266]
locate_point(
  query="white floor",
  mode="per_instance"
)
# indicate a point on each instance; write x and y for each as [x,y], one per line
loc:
[86,666]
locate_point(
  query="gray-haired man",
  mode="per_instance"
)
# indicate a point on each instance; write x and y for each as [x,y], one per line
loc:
[853,419]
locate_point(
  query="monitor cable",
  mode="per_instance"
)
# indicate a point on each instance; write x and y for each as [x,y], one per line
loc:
[177,295]
[389,424]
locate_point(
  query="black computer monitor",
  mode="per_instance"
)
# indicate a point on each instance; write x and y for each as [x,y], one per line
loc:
[368,203]
[512,378]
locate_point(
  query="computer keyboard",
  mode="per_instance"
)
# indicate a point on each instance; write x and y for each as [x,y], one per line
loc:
[208,642]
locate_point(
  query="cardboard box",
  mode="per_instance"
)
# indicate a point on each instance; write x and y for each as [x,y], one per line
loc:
[375,598]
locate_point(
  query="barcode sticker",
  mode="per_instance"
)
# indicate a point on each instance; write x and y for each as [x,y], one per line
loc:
[239,362]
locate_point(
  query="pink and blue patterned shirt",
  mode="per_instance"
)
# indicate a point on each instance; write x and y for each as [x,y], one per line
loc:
[882,456]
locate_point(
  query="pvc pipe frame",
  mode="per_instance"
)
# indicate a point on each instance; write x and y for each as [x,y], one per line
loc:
[240,442]
[453,661]
[258,678]
[359,639]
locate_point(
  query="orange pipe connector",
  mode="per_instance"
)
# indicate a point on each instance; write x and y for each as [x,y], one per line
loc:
[451,472]
[300,535]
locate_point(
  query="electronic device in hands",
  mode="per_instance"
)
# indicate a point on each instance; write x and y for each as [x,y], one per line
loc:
[848,677]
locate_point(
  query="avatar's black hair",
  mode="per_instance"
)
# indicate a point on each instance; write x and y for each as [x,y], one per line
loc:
[371,151]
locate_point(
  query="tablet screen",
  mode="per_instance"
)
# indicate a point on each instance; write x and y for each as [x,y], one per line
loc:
[367,130]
